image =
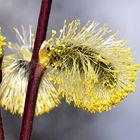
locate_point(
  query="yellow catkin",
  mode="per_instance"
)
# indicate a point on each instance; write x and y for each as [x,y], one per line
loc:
[16,69]
[94,70]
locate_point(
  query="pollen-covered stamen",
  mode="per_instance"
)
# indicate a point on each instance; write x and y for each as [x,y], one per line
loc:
[2,42]
[65,59]
[25,39]
[106,74]
[92,68]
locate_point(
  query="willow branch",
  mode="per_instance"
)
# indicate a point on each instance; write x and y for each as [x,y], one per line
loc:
[1,124]
[36,72]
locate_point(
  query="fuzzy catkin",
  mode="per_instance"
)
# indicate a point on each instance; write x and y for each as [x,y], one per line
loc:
[92,68]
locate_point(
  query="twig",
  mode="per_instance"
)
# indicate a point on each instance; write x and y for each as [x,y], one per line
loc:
[1,125]
[36,72]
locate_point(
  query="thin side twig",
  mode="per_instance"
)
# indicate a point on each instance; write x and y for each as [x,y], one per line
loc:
[1,124]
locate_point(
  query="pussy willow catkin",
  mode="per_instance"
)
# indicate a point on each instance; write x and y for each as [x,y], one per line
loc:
[86,65]
[16,68]
[91,67]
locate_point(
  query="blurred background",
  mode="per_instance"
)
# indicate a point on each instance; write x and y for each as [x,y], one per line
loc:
[67,122]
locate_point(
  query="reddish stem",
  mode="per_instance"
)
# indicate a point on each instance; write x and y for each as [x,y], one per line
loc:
[1,125]
[31,97]
[1,58]
[36,72]
[42,27]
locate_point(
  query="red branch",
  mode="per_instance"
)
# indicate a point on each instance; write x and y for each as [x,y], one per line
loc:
[42,27]
[36,72]
[1,125]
